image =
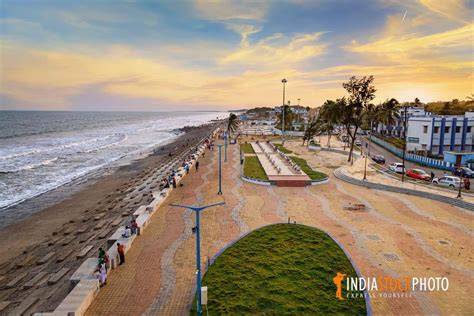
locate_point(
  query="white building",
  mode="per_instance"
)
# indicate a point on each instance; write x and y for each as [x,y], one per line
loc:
[438,134]
[397,129]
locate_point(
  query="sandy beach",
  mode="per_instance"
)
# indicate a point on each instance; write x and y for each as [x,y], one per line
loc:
[87,217]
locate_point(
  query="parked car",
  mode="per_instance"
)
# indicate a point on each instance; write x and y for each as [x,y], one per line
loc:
[463,171]
[418,174]
[397,167]
[379,159]
[358,142]
[449,181]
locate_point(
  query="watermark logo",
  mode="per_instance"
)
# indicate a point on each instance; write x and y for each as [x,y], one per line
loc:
[338,281]
[385,286]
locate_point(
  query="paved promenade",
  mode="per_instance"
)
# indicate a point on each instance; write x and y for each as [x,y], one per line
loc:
[389,235]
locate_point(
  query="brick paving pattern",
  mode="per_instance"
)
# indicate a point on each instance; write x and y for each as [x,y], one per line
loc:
[390,235]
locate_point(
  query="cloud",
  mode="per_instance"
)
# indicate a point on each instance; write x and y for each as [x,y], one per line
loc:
[456,10]
[277,49]
[222,10]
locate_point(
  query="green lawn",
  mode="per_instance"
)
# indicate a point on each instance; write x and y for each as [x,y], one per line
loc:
[247,148]
[283,149]
[283,269]
[253,168]
[303,164]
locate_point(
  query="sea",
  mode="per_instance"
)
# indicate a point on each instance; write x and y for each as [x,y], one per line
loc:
[44,150]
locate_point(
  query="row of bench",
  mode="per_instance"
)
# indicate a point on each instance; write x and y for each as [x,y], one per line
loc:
[84,280]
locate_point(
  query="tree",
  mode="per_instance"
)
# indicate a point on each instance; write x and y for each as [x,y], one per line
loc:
[289,116]
[417,102]
[232,123]
[313,129]
[389,112]
[361,92]
[329,115]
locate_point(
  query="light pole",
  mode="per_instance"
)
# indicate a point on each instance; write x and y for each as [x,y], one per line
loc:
[220,170]
[298,109]
[404,142]
[198,250]
[283,114]
[365,167]
[225,147]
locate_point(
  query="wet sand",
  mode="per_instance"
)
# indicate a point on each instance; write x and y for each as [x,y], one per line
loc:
[75,222]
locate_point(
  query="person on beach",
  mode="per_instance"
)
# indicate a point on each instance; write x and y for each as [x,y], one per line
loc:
[174,182]
[127,233]
[102,273]
[101,254]
[134,227]
[197,165]
[186,167]
[121,252]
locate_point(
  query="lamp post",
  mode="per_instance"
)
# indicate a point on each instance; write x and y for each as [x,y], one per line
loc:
[298,109]
[404,142]
[365,167]
[283,114]
[198,250]
[220,170]
[225,147]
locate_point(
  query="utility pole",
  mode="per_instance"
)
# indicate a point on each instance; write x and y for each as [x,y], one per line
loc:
[365,167]
[283,114]
[404,141]
[220,170]
[197,210]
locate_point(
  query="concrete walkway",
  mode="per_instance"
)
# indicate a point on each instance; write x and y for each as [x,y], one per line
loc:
[391,235]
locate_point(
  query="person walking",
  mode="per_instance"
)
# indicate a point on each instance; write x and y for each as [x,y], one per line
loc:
[432,176]
[197,165]
[121,252]
[102,273]
[467,184]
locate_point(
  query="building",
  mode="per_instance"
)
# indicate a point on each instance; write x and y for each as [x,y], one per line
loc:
[434,135]
[397,129]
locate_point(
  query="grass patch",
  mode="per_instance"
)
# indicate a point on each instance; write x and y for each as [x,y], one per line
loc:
[247,148]
[303,164]
[283,149]
[283,269]
[253,168]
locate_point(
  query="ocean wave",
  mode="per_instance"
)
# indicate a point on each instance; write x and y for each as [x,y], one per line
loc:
[60,147]
[15,169]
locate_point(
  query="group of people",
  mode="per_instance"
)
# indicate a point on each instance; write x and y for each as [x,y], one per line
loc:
[131,229]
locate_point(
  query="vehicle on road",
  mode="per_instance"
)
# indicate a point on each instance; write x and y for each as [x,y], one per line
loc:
[464,172]
[397,167]
[418,174]
[358,142]
[449,181]
[379,159]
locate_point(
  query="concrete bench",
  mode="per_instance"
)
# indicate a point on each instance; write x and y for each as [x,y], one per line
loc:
[58,276]
[25,305]
[16,280]
[84,252]
[139,211]
[45,258]
[63,256]
[32,282]
[79,299]
[86,271]
[142,222]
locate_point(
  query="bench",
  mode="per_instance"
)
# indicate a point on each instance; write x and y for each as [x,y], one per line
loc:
[79,299]
[16,280]
[64,255]
[45,258]
[58,276]
[86,271]
[32,282]
[84,252]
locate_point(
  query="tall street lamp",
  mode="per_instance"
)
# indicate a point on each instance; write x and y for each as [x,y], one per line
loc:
[225,147]
[220,170]
[197,210]
[366,154]
[283,114]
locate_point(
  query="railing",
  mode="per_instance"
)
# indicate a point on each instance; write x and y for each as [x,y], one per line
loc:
[422,160]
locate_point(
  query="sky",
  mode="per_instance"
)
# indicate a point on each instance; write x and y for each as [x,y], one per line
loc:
[126,55]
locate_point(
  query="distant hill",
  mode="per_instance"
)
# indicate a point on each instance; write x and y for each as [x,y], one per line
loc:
[453,107]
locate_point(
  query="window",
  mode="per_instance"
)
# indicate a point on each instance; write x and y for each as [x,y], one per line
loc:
[425,129]
[446,129]
[436,129]
[458,129]
[469,129]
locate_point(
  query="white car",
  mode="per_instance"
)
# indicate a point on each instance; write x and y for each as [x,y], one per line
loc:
[397,167]
[449,181]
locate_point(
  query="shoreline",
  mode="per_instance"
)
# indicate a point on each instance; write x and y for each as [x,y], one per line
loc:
[101,193]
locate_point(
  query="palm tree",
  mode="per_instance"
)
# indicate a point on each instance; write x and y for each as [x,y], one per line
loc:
[389,112]
[314,128]
[329,115]
[232,123]
[289,116]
